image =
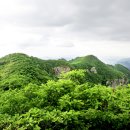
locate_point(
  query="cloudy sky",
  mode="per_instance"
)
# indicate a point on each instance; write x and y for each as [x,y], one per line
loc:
[65,28]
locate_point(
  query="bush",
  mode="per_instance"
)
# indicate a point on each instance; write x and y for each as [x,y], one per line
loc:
[69,103]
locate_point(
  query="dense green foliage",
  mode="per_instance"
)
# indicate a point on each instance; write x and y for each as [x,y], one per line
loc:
[68,103]
[123,69]
[125,62]
[105,72]
[32,97]
[17,70]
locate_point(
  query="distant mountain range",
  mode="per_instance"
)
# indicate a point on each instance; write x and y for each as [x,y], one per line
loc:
[18,70]
[125,62]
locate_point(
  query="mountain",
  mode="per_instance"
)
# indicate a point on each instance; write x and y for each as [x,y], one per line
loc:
[125,62]
[17,70]
[34,96]
[104,72]
[123,69]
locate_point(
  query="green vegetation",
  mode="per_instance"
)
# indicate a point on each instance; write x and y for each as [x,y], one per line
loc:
[17,70]
[123,69]
[104,72]
[65,104]
[125,62]
[32,97]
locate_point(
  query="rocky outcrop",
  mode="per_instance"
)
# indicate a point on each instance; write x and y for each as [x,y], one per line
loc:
[60,69]
[92,70]
[117,82]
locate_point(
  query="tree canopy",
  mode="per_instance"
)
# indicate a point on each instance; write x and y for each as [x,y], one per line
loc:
[68,103]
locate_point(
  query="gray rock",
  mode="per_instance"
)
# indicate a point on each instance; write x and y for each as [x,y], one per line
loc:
[93,70]
[60,69]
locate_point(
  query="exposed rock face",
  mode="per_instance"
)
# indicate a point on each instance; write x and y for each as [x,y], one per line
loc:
[117,82]
[93,70]
[58,70]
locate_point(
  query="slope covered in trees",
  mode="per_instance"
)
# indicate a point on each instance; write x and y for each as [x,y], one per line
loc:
[104,72]
[125,62]
[17,70]
[123,69]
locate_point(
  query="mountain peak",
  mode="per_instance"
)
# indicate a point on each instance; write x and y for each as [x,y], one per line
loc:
[89,59]
[14,57]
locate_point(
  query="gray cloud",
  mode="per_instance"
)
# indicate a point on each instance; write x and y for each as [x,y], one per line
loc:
[107,19]
[66,44]
[42,13]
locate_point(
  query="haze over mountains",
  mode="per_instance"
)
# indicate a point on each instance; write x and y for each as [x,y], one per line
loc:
[125,62]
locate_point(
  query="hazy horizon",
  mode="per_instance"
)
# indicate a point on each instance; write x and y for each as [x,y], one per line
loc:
[106,60]
[51,29]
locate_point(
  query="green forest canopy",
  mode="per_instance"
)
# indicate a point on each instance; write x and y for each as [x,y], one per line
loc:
[18,70]
[68,103]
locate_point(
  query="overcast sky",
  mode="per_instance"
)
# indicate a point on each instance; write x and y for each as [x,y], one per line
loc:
[65,28]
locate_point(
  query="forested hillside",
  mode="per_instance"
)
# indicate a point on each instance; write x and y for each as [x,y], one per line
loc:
[38,94]
[17,70]
[125,62]
[104,73]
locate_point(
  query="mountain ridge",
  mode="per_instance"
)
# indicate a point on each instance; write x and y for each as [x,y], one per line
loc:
[19,69]
[125,62]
